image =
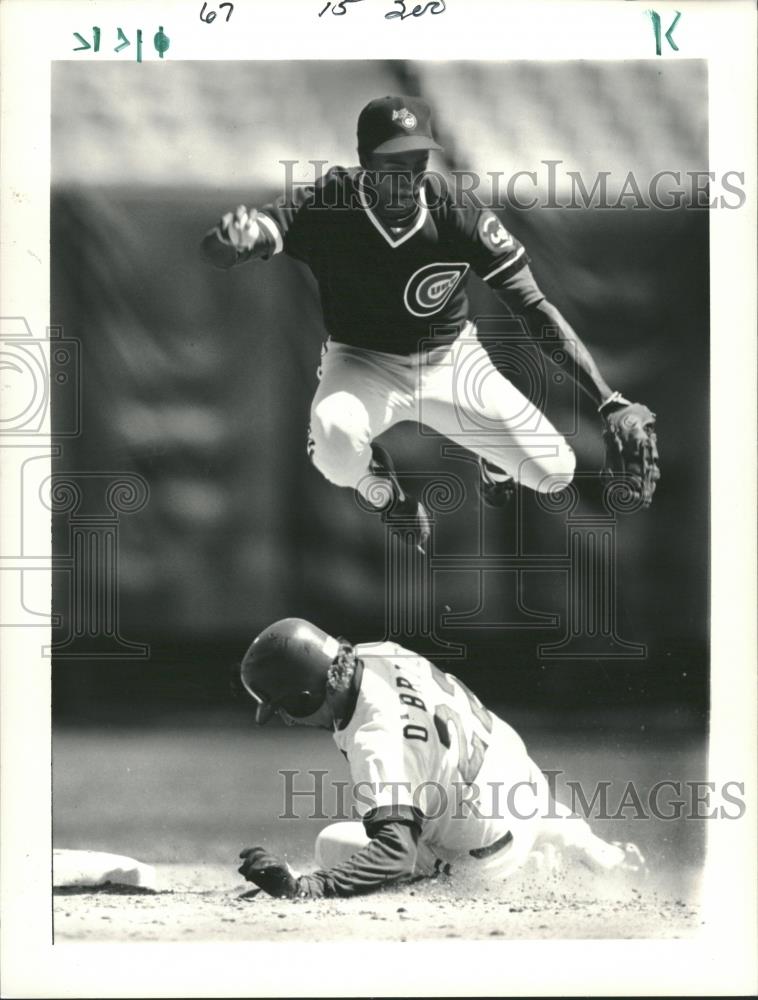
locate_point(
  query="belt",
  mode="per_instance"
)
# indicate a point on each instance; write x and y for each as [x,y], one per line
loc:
[486,852]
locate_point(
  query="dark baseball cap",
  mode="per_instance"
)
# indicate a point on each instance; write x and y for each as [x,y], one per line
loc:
[395,125]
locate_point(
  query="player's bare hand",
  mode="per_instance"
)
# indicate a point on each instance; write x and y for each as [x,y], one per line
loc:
[267,872]
[240,227]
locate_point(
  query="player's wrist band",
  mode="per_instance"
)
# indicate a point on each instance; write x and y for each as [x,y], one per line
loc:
[615,397]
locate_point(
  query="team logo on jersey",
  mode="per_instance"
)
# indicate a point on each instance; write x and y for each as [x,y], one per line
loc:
[407,118]
[430,288]
[493,232]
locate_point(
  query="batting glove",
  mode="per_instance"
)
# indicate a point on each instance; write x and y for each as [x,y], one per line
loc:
[269,873]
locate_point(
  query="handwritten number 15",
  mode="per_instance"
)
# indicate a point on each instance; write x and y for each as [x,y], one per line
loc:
[433,6]
[338,9]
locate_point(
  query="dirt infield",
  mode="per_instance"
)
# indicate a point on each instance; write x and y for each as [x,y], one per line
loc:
[204,904]
[188,799]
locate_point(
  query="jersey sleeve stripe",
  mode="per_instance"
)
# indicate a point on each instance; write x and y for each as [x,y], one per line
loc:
[506,265]
[273,231]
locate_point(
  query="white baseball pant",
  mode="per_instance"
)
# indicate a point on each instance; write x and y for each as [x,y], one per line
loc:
[454,389]
[544,826]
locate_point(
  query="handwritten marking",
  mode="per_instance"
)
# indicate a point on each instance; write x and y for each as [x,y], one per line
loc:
[338,9]
[85,44]
[433,6]
[212,13]
[124,43]
[161,41]
[656,19]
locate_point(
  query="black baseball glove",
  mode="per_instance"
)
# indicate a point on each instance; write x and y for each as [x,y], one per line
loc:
[631,446]
[269,873]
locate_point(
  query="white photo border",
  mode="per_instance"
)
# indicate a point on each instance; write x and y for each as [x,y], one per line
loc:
[722,960]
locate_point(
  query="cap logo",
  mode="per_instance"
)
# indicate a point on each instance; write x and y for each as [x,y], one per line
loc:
[407,118]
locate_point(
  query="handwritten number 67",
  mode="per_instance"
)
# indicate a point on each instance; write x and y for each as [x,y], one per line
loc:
[211,17]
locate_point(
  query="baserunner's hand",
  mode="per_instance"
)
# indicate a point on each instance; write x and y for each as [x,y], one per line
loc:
[269,873]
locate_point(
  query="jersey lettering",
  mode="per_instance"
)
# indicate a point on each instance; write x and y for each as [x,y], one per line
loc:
[413,732]
[430,287]
[471,748]
[469,762]
[403,682]
[413,700]
[447,682]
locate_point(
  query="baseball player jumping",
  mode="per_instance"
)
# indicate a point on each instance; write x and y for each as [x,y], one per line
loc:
[441,784]
[391,253]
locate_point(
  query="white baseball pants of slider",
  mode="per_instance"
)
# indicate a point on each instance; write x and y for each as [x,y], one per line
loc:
[455,390]
[546,825]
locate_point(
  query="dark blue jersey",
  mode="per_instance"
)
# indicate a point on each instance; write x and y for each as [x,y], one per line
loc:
[391,289]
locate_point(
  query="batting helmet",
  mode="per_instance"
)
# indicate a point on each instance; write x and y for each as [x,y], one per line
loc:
[286,666]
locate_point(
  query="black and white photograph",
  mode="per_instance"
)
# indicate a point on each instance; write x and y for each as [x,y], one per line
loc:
[372,417]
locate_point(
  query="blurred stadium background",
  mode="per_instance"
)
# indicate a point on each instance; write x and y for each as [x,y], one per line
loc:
[200,381]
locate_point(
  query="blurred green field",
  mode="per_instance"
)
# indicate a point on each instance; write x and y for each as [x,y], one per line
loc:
[199,792]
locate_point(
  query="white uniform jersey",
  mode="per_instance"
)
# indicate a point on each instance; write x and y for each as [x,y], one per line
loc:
[419,739]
